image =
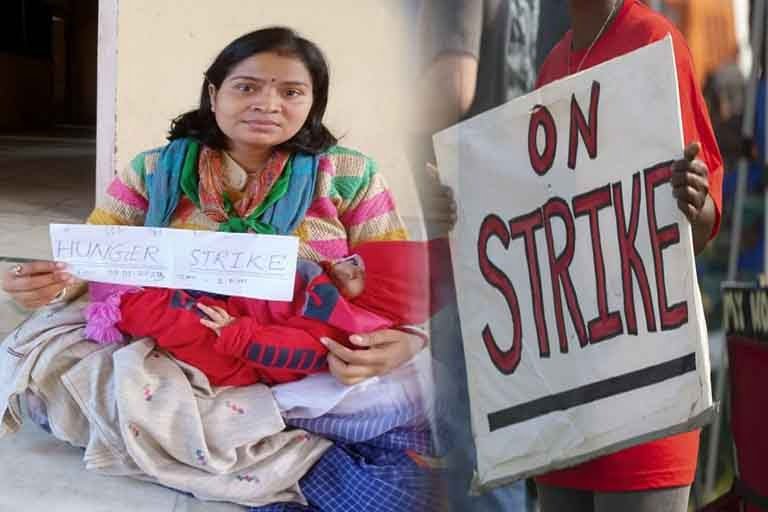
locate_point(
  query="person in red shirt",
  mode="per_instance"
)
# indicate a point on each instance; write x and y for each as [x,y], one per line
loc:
[237,341]
[654,476]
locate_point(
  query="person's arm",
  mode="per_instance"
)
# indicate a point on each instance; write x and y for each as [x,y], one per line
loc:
[453,31]
[690,186]
[703,225]
[370,214]
[450,84]
[125,202]
[696,178]
[272,348]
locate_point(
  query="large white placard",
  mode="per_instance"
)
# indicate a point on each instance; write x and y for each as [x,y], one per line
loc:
[241,264]
[581,316]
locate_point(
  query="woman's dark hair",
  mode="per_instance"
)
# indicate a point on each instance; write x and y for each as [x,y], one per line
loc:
[313,137]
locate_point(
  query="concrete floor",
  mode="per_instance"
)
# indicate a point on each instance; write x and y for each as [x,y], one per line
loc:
[43,180]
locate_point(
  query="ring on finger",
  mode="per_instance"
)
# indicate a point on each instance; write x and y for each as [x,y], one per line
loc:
[17,270]
[59,297]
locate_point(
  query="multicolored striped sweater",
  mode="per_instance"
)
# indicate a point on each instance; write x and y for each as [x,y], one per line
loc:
[352,204]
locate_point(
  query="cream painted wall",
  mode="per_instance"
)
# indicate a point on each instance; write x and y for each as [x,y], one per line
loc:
[163,49]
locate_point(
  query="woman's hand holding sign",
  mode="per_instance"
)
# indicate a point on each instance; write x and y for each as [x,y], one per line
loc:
[690,187]
[439,204]
[37,283]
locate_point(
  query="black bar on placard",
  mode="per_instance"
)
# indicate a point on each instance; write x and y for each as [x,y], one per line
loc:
[592,392]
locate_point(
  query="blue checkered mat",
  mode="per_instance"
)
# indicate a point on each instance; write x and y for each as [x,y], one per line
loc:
[376,476]
[364,425]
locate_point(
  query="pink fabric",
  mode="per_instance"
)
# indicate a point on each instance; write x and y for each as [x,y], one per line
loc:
[379,204]
[103,313]
[326,166]
[330,249]
[124,194]
[323,208]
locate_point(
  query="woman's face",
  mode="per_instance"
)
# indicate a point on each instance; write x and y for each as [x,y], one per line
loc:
[264,101]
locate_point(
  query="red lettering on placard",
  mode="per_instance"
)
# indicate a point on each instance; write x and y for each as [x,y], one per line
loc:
[526,226]
[505,360]
[631,262]
[579,126]
[607,324]
[671,317]
[542,161]
[559,271]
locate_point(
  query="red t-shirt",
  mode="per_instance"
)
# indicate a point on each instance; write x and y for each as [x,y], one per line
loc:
[671,461]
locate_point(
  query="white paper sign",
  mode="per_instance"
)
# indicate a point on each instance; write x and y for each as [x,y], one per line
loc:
[247,265]
[243,264]
[581,316]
